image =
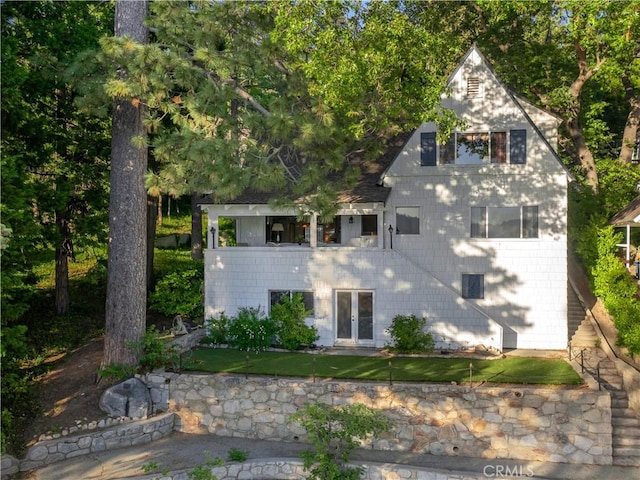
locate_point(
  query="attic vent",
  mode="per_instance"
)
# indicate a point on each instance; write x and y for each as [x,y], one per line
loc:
[473,87]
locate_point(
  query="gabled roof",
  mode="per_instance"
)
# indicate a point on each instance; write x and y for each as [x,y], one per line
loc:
[517,100]
[629,215]
[368,188]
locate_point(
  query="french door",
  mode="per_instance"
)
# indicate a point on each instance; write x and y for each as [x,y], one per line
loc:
[354,317]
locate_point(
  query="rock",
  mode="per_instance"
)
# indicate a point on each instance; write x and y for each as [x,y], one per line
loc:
[170,241]
[130,398]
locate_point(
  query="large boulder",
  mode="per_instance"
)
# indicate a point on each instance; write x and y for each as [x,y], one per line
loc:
[130,398]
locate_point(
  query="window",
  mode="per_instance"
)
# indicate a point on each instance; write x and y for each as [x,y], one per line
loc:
[472,148]
[428,150]
[504,222]
[477,148]
[276,295]
[518,150]
[330,232]
[369,225]
[407,220]
[472,285]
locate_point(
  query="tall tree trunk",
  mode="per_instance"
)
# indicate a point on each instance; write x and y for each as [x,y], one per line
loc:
[152,215]
[64,251]
[630,134]
[196,228]
[584,155]
[572,119]
[126,273]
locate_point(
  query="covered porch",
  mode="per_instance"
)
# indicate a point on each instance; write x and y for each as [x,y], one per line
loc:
[259,225]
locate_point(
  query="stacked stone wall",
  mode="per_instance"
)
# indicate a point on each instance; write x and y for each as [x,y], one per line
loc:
[91,441]
[570,425]
[286,469]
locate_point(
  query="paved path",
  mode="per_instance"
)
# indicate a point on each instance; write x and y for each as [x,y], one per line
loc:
[181,451]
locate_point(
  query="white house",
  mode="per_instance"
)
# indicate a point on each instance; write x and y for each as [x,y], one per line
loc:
[471,234]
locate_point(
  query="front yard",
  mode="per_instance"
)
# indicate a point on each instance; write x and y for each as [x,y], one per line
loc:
[514,370]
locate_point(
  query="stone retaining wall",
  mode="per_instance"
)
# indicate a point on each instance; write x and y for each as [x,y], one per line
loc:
[286,469]
[123,435]
[569,425]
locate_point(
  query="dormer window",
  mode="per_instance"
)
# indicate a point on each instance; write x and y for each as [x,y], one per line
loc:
[474,148]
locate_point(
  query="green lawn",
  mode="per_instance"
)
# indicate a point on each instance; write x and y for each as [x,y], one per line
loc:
[407,369]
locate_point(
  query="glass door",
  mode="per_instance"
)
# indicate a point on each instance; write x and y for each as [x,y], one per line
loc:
[354,317]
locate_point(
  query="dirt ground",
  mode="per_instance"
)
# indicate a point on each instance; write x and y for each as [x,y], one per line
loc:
[68,393]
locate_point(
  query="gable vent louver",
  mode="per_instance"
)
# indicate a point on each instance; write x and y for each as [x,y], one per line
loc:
[473,87]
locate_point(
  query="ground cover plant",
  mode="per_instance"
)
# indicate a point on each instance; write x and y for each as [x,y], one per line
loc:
[335,432]
[377,368]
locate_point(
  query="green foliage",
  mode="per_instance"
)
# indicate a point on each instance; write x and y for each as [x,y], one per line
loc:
[408,335]
[612,282]
[334,433]
[217,329]
[376,368]
[237,455]
[251,331]
[149,467]
[19,403]
[201,472]
[154,351]
[288,316]
[18,397]
[180,292]
[117,372]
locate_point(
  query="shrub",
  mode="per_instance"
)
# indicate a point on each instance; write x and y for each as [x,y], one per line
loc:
[250,330]
[288,317]
[612,282]
[334,433]
[217,329]
[156,352]
[180,292]
[408,335]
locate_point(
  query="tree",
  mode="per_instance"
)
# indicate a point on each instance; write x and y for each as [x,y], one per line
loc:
[126,269]
[55,153]
[234,104]
[565,55]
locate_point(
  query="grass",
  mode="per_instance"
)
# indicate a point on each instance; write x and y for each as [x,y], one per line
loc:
[406,369]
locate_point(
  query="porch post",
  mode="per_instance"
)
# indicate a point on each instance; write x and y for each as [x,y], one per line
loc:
[628,244]
[313,226]
[212,230]
[380,219]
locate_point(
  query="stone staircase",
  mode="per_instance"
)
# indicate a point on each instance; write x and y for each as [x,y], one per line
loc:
[625,423]
[581,331]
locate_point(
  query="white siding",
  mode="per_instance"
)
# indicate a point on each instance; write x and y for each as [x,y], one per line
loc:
[525,301]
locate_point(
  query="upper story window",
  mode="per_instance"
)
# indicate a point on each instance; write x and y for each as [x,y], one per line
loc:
[504,222]
[474,148]
[407,220]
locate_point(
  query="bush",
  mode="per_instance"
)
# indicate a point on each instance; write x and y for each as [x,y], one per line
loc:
[288,317]
[334,433]
[217,329]
[180,292]
[250,330]
[612,283]
[156,352]
[408,335]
